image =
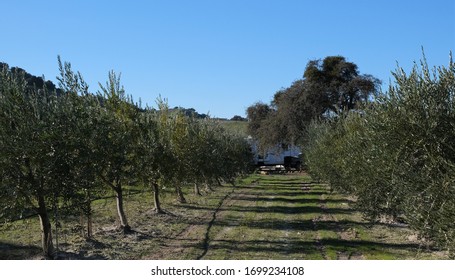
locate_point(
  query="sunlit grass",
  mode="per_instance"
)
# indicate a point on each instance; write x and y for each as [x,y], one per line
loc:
[262,217]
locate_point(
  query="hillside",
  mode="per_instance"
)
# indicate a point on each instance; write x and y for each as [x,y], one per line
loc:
[237,127]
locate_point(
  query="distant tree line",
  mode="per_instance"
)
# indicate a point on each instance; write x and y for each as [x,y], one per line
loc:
[190,112]
[60,147]
[328,88]
[32,81]
[239,118]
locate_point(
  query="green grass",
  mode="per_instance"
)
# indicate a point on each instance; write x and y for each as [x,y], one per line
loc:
[263,217]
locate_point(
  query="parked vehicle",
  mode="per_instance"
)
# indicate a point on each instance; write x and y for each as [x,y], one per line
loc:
[288,157]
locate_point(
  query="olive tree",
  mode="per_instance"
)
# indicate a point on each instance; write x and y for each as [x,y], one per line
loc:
[40,149]
[117,140]
[152,155]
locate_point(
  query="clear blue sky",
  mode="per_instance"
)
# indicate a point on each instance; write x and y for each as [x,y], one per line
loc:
[220,56]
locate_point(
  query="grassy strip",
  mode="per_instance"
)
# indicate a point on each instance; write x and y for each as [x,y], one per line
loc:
[263,217]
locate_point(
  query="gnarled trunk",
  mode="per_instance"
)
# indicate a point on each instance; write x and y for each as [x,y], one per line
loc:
[156,198]
[180,197]
[208,188]
[86,213]
[89,226]
[196,189]
[120,210]
[46,229]
[117,187]
[86,226]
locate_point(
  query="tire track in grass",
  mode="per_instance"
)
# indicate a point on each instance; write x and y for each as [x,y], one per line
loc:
[228,224]
[318,241]
[342,235]
[182,244]
[206,242]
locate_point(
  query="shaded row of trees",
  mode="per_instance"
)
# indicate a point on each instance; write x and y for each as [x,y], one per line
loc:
[64,146]
[397,155]
[328,88]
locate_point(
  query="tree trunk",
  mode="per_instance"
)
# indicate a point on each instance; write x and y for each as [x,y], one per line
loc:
[196,189]
[86,226]
[117,187]
[156,198]
[207,187]
[180,197]
[88,215]
[46,229]
[89,226]
[219,182]
[120,211]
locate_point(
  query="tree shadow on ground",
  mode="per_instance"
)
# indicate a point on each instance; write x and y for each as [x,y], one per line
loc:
[11,251]
[293,200]
[290,210]
[295,225]
[277,209]
[296,246]
[290,184]
[265,249]
[278,188]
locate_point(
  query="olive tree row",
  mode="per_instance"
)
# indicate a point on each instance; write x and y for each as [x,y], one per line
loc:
[65,147]
[188,152]
[397,156]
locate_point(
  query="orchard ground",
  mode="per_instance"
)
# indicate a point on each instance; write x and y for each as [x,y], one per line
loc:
[262,217]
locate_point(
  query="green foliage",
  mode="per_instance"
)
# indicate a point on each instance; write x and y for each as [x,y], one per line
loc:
[328,88]
[41,150]
[197,151]
[257,113]
[61,148]
[397,156]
